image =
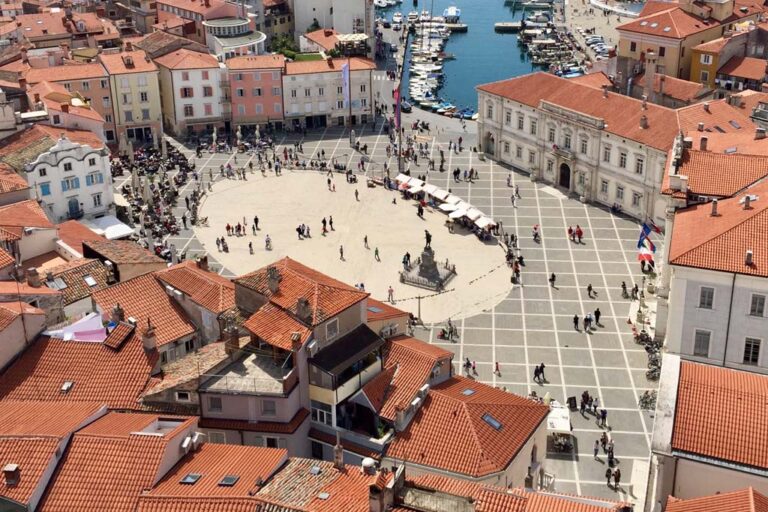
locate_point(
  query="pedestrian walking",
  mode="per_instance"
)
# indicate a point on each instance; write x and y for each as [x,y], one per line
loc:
[595,405]
[376,254]
[617,478]
[604,441]
[497,370]
[579,233]
[536,374]
[250,247]
[330,222]
[474,367]
[357,195]
[608,475]
[597,448]
[576,322]
[589,290]
[391,295]
[603,418]
[552,280]
[517,192]
[541,372]
[255,222]
[341,252]
[597,316]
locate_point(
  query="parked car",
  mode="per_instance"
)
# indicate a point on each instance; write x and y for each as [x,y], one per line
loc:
[405,107]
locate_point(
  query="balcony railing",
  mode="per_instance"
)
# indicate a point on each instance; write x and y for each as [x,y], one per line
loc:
[75,214]
[561,151]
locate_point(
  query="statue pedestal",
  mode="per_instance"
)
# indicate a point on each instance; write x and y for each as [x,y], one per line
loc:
[428,273]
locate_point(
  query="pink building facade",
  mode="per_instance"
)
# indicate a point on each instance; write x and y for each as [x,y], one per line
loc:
[256,91]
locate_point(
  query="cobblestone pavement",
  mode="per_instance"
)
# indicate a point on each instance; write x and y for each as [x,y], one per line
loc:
[533,324]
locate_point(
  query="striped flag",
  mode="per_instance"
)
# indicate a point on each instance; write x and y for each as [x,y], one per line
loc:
[397,108]
[646,230]
[654,227]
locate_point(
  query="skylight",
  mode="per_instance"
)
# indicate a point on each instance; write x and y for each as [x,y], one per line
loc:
[90,281]
[67,386]
[493,422]
[56,284]
[735,124]
[190,479]
[228,481]
[719,129]
[654,25]
[374,309]
[468,392]
[730,151]
[667,29]
[314,470]
[323,496]
[643,23]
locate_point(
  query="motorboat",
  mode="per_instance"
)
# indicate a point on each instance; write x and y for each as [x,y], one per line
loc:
[452,14]
[381,4]
[425,16]
[397,17]
[413,17]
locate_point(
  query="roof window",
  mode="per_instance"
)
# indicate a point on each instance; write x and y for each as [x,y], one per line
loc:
[67,386]
[493,422]
[191,478]
[323,496]
[228,481]
[374,309]
[735,124]
[57,284]
[643,23]
[667,29]
[730,151]
[468,392]
[719,129]
[654,25]
[314,470]
[89,280]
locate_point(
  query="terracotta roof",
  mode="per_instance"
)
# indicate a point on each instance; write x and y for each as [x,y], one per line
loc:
[196,504]
[276,327]
[187,59]
[597,79]
[106,467]
[49,25]
[24,214]
[256,62]
[719,174]
[673,23]
[119,334]
[676,88]
[144,298]
[122,251]
[718,116]
[5,258]
[123,63]
[66,73]
[33,455]
[25,146]
[348,446]
[205,288]
[654,6]
[735,143]
[751,99]
[330,66]
[702,430]
[743,500]
[193,6]
[37,418]
[621,113]
[486,498]
[744,67]
[98,373]
[172,22]
[713,46]
[295,486]
[74,274]
[14,288]
[74,233]
[159,43]
[459,413]
[10,311]
[10,181]
[214,462]
[327,297]
[409,364]
[271,427]
[378,310]
[325,38]
[720,243]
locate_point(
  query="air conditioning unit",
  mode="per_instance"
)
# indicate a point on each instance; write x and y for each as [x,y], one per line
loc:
[28,231]
[415,403]
[186,445]
[197,440]
[312,348]
[169,289]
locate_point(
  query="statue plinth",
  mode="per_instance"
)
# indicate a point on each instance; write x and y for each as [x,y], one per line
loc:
[427,273]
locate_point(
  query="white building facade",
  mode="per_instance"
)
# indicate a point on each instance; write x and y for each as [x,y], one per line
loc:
[344,16]
[72,181]
[576,152]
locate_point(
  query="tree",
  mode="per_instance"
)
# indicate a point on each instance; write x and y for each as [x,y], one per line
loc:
[314,26]
[283,42]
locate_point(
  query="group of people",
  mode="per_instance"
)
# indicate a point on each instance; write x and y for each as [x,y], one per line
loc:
[589,320]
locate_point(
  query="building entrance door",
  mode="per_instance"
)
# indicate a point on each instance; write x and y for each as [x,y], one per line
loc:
[565,177]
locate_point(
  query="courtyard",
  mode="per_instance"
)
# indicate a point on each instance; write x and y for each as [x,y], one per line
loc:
[516,326]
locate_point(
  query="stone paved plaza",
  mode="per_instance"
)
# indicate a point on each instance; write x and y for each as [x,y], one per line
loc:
[528,324]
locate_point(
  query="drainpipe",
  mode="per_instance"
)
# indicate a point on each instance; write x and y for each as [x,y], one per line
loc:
[730,313]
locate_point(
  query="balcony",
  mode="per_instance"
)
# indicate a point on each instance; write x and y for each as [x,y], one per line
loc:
[254,374]
[562,152]
[75,214]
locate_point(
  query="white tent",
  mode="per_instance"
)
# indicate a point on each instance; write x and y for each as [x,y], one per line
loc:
[402,178]
[415,182]
[474,214]
[448,207]
[559,421]
[458,213]
[430,189]
[484,222]
[440,194]
[109,227]
[415,189]
[451,199]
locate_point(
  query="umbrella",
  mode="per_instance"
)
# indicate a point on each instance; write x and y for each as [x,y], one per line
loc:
[130,151]
[474,214]
[147,193]
[135,183]
[174,256]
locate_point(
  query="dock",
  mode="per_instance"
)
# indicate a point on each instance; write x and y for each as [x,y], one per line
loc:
[507,26]
[457,27]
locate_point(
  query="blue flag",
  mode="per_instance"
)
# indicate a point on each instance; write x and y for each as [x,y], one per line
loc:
[646,230]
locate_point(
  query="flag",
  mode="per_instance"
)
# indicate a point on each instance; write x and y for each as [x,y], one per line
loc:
[654,227]
[345,83]
[397,108]
[648,245]
[646,230]
[644,255]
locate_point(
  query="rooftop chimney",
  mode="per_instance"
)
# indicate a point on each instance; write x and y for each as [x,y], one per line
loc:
[703,143]
[37,97]
[748,261]
[688,143]
[706,106]
[22,83]
[118,314]
[33,278]
[273,279]
[128,46]
[12,474]
[760,133]
[701,127]
[148,337]
[645,101]
[304,310]
[605,91]
[338,453]
[747,201]
[65,108]
[644,122]
[232,338]
[714,208]
[24,57]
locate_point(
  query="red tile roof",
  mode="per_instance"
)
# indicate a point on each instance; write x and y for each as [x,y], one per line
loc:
[621,113]
[74,233]
[673,23]
[744,67]
[196,504]
[10,311]
[327,297]
[144,298]
[486,498]
[193,5]
[33,455]
[717,116]
[720,243]
[14,288]
[743,500]
[376,389]
[73,274]
[119,334]
[24,147]
[256,426]
[205,288]
[596,79]
[106,467]
[5,258]
[66,73]
[385,311]
[276,327]
[44,419]
[675,88]
[187,59]
[325,38]
[122,251]
[135,61]
[330,66]
[10,181]
[24,214]
[707,431]
[719,174]
[214,462]
[256,62]
[98,373]
[451,417]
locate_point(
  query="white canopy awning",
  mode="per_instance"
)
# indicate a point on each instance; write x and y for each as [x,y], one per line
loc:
[452,199]
[448,207]
[458,213]
[109,227]
[440,194]
[484,222]
[559,421]
[415,181]
[402,178]
[430,189]
[415,189]
[474,214]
